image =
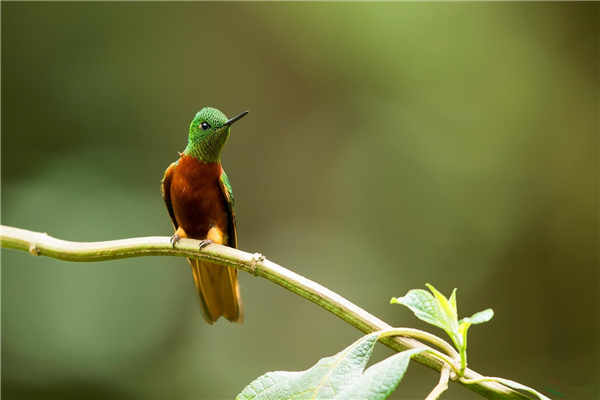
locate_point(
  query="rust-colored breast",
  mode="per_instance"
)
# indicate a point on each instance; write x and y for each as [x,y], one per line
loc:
[197,198]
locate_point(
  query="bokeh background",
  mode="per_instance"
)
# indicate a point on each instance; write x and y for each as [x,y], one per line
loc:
[388,145]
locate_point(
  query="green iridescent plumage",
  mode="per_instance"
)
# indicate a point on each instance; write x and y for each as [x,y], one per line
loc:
[230,209]
[206,145]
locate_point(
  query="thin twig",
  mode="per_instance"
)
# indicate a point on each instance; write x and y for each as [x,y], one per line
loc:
[44,245]
[416,333]
[442,386]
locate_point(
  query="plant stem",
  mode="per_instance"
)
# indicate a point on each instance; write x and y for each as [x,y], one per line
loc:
[463,362]
[430,338]
[43,245]
[442,386]
[416,333]
[506,382]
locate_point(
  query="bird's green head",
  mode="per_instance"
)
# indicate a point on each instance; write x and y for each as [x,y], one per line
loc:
[208,134]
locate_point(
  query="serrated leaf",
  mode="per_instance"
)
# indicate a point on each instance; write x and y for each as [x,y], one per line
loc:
[318,381]
[340,377]
[425,307]
[380,381]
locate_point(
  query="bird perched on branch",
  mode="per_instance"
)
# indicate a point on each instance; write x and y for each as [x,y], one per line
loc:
[199,199]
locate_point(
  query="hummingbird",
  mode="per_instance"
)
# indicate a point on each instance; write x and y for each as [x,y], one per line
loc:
[199,199]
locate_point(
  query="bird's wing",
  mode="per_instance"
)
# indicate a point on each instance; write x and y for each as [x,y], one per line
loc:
[228,194]
[166,192]
[231,300]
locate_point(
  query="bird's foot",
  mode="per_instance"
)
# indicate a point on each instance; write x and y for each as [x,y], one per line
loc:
[175,239]
[204,243]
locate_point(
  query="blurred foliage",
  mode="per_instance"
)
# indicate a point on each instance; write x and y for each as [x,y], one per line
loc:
[388,145]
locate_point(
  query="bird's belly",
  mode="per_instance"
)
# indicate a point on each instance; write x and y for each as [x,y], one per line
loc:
[198,206]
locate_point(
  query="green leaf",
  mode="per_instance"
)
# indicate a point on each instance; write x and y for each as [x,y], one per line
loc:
[340,376]
[425,307]
[482,316]
[463,327]
[380,381]
[477,318]
[443,313]
[436,310]
[448,310]
[453,302]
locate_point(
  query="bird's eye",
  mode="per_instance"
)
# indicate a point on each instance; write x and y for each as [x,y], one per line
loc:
[204,126]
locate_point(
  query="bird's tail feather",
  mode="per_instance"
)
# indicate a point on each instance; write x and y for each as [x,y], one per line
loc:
[217,291]
[231,299]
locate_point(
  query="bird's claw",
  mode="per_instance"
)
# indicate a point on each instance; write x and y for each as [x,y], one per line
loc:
[204,243]
[175,239]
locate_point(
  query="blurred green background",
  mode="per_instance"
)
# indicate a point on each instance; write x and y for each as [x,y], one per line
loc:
[388,145]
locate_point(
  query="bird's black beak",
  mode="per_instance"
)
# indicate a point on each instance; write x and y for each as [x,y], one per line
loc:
[232,120]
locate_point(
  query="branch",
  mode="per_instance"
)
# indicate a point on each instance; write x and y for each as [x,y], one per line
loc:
[40,244]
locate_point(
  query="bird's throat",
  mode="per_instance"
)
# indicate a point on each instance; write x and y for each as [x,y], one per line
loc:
[207,147]
[206,152]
